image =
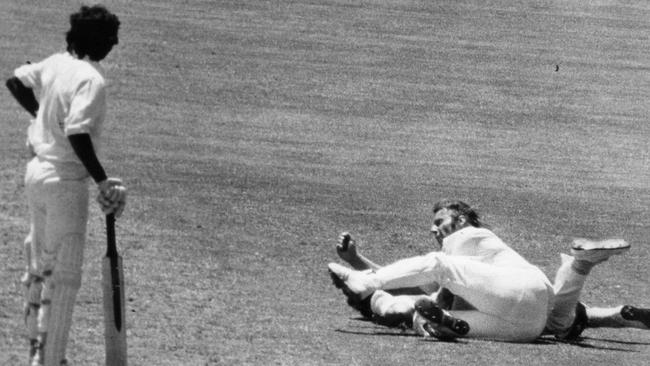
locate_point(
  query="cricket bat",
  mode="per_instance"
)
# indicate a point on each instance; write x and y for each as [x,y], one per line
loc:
[113,289]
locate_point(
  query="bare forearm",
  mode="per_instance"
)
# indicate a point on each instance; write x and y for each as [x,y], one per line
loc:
[83,147]
[361,261]
[24,95]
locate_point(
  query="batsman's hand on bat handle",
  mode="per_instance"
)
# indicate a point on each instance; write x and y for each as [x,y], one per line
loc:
[112,196]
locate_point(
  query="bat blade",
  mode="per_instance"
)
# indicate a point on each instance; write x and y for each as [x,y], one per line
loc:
[113,293]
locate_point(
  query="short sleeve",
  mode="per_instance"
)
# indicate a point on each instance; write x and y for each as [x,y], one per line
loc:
[30,74]
[86,108]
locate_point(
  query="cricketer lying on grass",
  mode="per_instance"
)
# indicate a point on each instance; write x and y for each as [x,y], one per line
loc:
[476,269]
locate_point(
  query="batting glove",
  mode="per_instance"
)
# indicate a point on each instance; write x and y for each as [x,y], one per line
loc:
[112,196]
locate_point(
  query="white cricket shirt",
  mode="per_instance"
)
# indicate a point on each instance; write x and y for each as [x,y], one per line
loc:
[72,100]
[484,245]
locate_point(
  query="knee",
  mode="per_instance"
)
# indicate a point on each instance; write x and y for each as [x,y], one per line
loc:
[67,277]
[68,267]
[391,310]
[382,303]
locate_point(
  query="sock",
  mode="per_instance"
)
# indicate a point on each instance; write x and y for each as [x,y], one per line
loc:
[582,267]
[568,284]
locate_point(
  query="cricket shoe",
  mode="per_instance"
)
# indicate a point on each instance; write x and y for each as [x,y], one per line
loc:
[632,313]
[341,276]
[597,251]
[440,324]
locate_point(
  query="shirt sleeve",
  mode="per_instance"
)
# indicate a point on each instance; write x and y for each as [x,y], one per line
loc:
[86,108]
[30,74]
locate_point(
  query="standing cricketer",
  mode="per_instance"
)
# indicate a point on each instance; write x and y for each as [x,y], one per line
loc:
[63,138]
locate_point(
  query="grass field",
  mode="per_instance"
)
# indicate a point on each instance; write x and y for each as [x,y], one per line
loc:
[250,133]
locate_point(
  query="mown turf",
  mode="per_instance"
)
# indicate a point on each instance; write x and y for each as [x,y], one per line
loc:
[251,133]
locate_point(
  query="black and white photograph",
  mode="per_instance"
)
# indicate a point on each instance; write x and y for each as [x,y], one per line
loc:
[325,182]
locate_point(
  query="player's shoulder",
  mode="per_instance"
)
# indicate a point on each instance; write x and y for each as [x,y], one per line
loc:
[82,67]
[84,71]
[486,237]
[58,59]
[478,231]
[467,235]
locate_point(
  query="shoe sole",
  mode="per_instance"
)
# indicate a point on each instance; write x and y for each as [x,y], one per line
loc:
[629,312]
[614,246]
[434,313]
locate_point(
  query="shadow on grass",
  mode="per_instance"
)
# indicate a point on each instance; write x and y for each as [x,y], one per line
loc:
[374,329]
[617,341]
[582,343]
[375,332]
[399,333]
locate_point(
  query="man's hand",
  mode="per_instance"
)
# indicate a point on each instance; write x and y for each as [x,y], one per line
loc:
[112,196]
[346,248]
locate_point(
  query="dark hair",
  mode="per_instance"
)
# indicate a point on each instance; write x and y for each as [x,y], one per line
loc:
[93,32]
[459,208]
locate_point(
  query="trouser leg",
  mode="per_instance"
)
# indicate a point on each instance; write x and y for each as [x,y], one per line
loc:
[33,278]
[514,295]
[606,317]
[567,286]
[32,286]
[391,309]
[613,318]
[62,258]
[65,281]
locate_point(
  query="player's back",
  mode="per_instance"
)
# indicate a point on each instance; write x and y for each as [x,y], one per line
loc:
[484,245]
[72,99]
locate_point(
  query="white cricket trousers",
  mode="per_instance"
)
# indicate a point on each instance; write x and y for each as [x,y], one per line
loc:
[512,302]
[54,252]
[568,285]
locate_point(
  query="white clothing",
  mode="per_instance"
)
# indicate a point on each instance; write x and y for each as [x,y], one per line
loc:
[483,245]
[511,297]
[568,285]
[72,100]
